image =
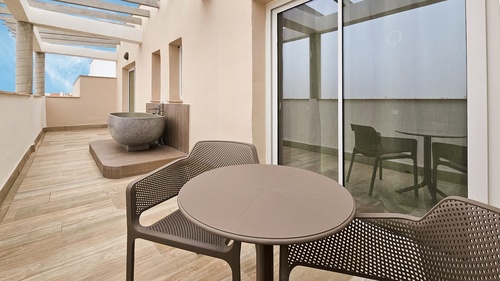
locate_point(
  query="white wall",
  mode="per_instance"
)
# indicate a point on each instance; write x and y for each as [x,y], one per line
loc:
[102,68]
[23,118]
[217,65]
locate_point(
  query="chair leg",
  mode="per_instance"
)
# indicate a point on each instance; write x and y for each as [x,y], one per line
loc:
[130,258]
[350,166]
[284,271]
[380,169]
[415,176]
[374,174]
[234,261]
[434,173]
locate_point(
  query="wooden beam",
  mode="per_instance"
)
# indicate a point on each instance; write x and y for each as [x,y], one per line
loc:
[109,6]
[149,3]
[116,18]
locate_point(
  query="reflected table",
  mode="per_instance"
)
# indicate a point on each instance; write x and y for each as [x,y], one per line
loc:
[266,205]
[428,135]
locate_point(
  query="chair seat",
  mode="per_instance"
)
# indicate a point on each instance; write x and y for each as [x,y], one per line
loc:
[177,225]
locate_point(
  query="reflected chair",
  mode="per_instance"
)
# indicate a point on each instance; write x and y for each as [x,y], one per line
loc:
[450,155]
[458,239]
[368,142]
[165,183]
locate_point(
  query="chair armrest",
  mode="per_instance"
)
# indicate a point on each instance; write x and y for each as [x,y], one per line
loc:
[156,187]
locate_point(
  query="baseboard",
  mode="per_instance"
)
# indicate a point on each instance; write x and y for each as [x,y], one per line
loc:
[75,127]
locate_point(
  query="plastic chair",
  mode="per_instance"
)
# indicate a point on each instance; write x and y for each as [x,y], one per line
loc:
[459,239]
[165,183]
[450,155]
[368,142]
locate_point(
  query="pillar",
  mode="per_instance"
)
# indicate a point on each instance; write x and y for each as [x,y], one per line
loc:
[24,58]
[39,74]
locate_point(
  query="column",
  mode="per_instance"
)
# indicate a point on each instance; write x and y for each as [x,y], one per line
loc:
[24,58]
[39,74]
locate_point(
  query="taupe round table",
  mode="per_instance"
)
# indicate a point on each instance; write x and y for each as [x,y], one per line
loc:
[266,205]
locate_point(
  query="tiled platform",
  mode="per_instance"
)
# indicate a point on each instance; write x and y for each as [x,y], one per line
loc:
[116,163]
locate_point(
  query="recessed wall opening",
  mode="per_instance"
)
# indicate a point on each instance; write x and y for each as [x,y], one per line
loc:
[156,77]
[175,71]
[128,87]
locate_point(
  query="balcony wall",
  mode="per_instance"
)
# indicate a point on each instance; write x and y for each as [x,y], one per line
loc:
[23,119]
[93,98]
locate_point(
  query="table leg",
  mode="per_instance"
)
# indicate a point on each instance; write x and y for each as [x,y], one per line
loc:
[427,181]
[428,167]
[265,262]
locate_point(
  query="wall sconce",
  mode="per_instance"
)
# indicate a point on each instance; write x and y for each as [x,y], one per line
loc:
[125,56]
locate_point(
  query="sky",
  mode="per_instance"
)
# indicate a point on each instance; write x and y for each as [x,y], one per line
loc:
[60,71]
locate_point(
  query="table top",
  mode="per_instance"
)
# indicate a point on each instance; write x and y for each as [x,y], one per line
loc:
[266,204]
[431,133]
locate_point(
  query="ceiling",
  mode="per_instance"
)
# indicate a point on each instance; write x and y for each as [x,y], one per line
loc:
[88,28]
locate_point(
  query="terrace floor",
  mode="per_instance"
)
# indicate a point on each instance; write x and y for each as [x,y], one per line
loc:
[64,221]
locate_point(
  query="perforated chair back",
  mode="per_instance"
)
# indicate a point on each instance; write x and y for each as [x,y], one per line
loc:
[459,239]
[165,183]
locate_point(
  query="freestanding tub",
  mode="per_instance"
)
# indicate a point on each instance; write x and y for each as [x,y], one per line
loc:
[134,130]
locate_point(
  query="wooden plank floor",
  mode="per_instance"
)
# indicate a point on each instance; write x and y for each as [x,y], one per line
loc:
[64,221]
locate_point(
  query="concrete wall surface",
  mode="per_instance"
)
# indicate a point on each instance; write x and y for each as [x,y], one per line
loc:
[96,98]
[23,120]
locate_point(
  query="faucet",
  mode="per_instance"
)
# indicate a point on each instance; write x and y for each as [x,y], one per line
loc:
[157,110]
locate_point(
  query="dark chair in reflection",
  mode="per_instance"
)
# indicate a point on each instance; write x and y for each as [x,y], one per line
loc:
[369,142]
[450,155]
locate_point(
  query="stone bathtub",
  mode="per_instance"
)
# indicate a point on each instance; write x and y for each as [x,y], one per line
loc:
[134,130]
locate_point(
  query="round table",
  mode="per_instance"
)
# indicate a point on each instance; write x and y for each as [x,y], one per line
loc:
[428,135]
[266,205]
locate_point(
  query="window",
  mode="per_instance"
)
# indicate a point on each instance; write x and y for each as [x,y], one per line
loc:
[404,73]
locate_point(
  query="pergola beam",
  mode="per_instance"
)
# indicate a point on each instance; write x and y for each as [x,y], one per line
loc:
[77,51]
[149,3]
[109,6]
[4,10]
[54,20]
[116,18]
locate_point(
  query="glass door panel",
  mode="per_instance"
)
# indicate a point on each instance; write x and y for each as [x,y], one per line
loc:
[404,70]
[307,95]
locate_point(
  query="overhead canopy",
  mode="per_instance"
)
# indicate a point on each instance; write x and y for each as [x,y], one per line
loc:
[86,28]
[93,28]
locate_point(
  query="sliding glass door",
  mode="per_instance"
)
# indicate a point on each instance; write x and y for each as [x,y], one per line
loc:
[402,100]
[308,97]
